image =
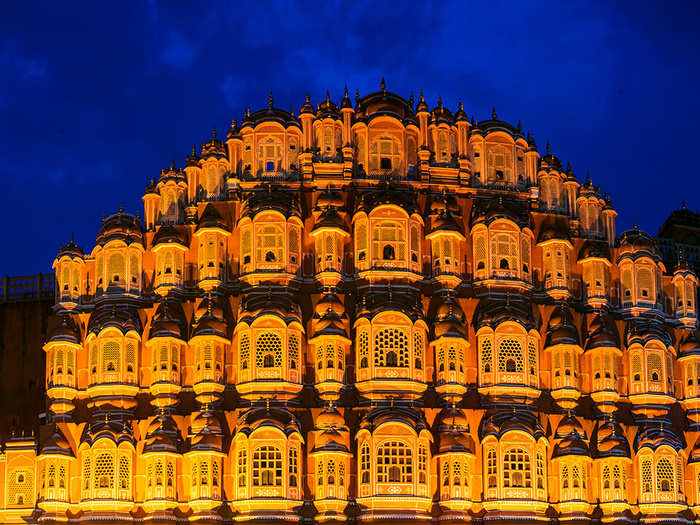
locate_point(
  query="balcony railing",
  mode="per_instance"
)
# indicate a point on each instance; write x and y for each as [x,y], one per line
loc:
[39,287]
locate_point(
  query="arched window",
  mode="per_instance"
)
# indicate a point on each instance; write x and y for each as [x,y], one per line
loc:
[361,241]
[269,244]
[500,165]
[269,155]
[389,241]
[486,355]
[104,471]
[646,476]
[364,463]
[293,466]
[516,469]
[654,368]
[394,463]
[645,287]
[510,356]
[664,475]
[391,348]
[267,467]
[504,254]
[244,351]
[242,468]
[268,350]
[491,469]
[384,155]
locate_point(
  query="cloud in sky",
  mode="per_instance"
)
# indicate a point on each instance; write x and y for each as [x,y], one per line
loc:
[99,97]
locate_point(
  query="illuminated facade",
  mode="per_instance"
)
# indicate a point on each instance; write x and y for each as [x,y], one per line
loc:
[366,312]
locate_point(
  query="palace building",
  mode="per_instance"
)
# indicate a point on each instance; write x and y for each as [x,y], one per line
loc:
[370,311]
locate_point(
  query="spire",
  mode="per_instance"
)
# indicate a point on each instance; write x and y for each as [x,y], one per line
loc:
[308,99]
[410,100]
[460,107]
[382,86]
[635,226]
[328,96]
[247,112]
[493,114]
[270,101]
[547,147]
[357,97]
[194,148]
[213,133]
[439,101]
[683,205]
[345,93]
[519,127]
[121,208]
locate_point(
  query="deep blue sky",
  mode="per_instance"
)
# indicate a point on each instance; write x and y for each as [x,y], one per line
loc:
[96,98]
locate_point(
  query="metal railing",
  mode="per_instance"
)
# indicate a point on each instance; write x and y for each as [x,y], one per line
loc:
[39,287]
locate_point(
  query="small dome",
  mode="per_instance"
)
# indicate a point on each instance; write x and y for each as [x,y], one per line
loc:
[330,198]
[213,148]
[124,318]
[498,422]
[330,219]
[205,432]
[635,240]
[690,345]
[444,203]
[453,432]
[168,321]
[209,319]
[654,435]
[554,232]
[65,331]
[211,219]
[594,249]
[602,333]
[57,444]
[169,234]
[492,312]
[694,456]
[487,211]
[611,441]
[394,414]
[449,319]
[561,329]
[388,194]
[572,438]
[643,331]
[162,435]
[71,249]
[120,226]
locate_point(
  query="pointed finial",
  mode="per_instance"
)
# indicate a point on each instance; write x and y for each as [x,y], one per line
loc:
[683,205]
[106,418]
[194,148]
[382,85]
[588,177]
[267,404]
[547,146]
[460,107]
[291,110]
[568,167]
[410,100]
[209,303]
[247,112]
[493,114]
[422,98]
[392,401]
[213,133]
[121,208]
[345,93]
[439,101]
[270,101]
[357,97]
[328,96]
[472,120]
[635,226]
[520,126]
[390,292]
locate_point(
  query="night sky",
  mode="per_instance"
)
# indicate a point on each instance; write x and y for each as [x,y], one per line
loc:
[96,98]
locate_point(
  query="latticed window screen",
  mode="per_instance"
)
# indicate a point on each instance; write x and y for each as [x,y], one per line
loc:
[363,345]
[246,243]
[267,466]
[125,472]
[268,350]
[532,357]
[646,475]
[364,463]
[104,471]
[491,468]
[115,268]
[540,471]
[269,155]
[389,241]
[330,472]
[664,475]
[293,242]
[244,346]
[654,368]
[269,244]
[644,283]
[319,473]
[86,473]
[134,269]
[394,463]
[480,252]
[504,252]
[679,475]
[510,356]
[20,487]
[486,355]
[293,351]
[361,237]
[242,467]
[293,466]
[418,349]
[626,278]
[130,356]
[516,468]
[422,464]
[170,472]
[215,473]
[391,348]
[111,358]
[525,253]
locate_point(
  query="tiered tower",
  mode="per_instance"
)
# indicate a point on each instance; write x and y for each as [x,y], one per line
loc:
[369,312]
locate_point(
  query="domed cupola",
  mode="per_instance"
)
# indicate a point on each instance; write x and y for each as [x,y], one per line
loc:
[391,338]
[266,448]
[685,288]
[502,244]
[162,436]
[68,266]
[118,255]
[171,174]
[563,342]
[689,361]
[609,441]
[603,353]
[460,115]
[640,270]
[455,461]
[167,342]
[330,339]
[330,460]
[572,464]
[213,148]
[327,108]
[440,114]
[508,349]
[209,340]
[204,460]
[556,249]
[594,256]
[446,236]
[161,455]
[514,451]
[62,349]
[450,346]
[660,459]
[169,234]
[107,427]
[693,471]
[54,462]
[57,445]
[268,347]
[394,446]
[233,131]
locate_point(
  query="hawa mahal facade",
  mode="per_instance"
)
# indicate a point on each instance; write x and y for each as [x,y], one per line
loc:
[368,312]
